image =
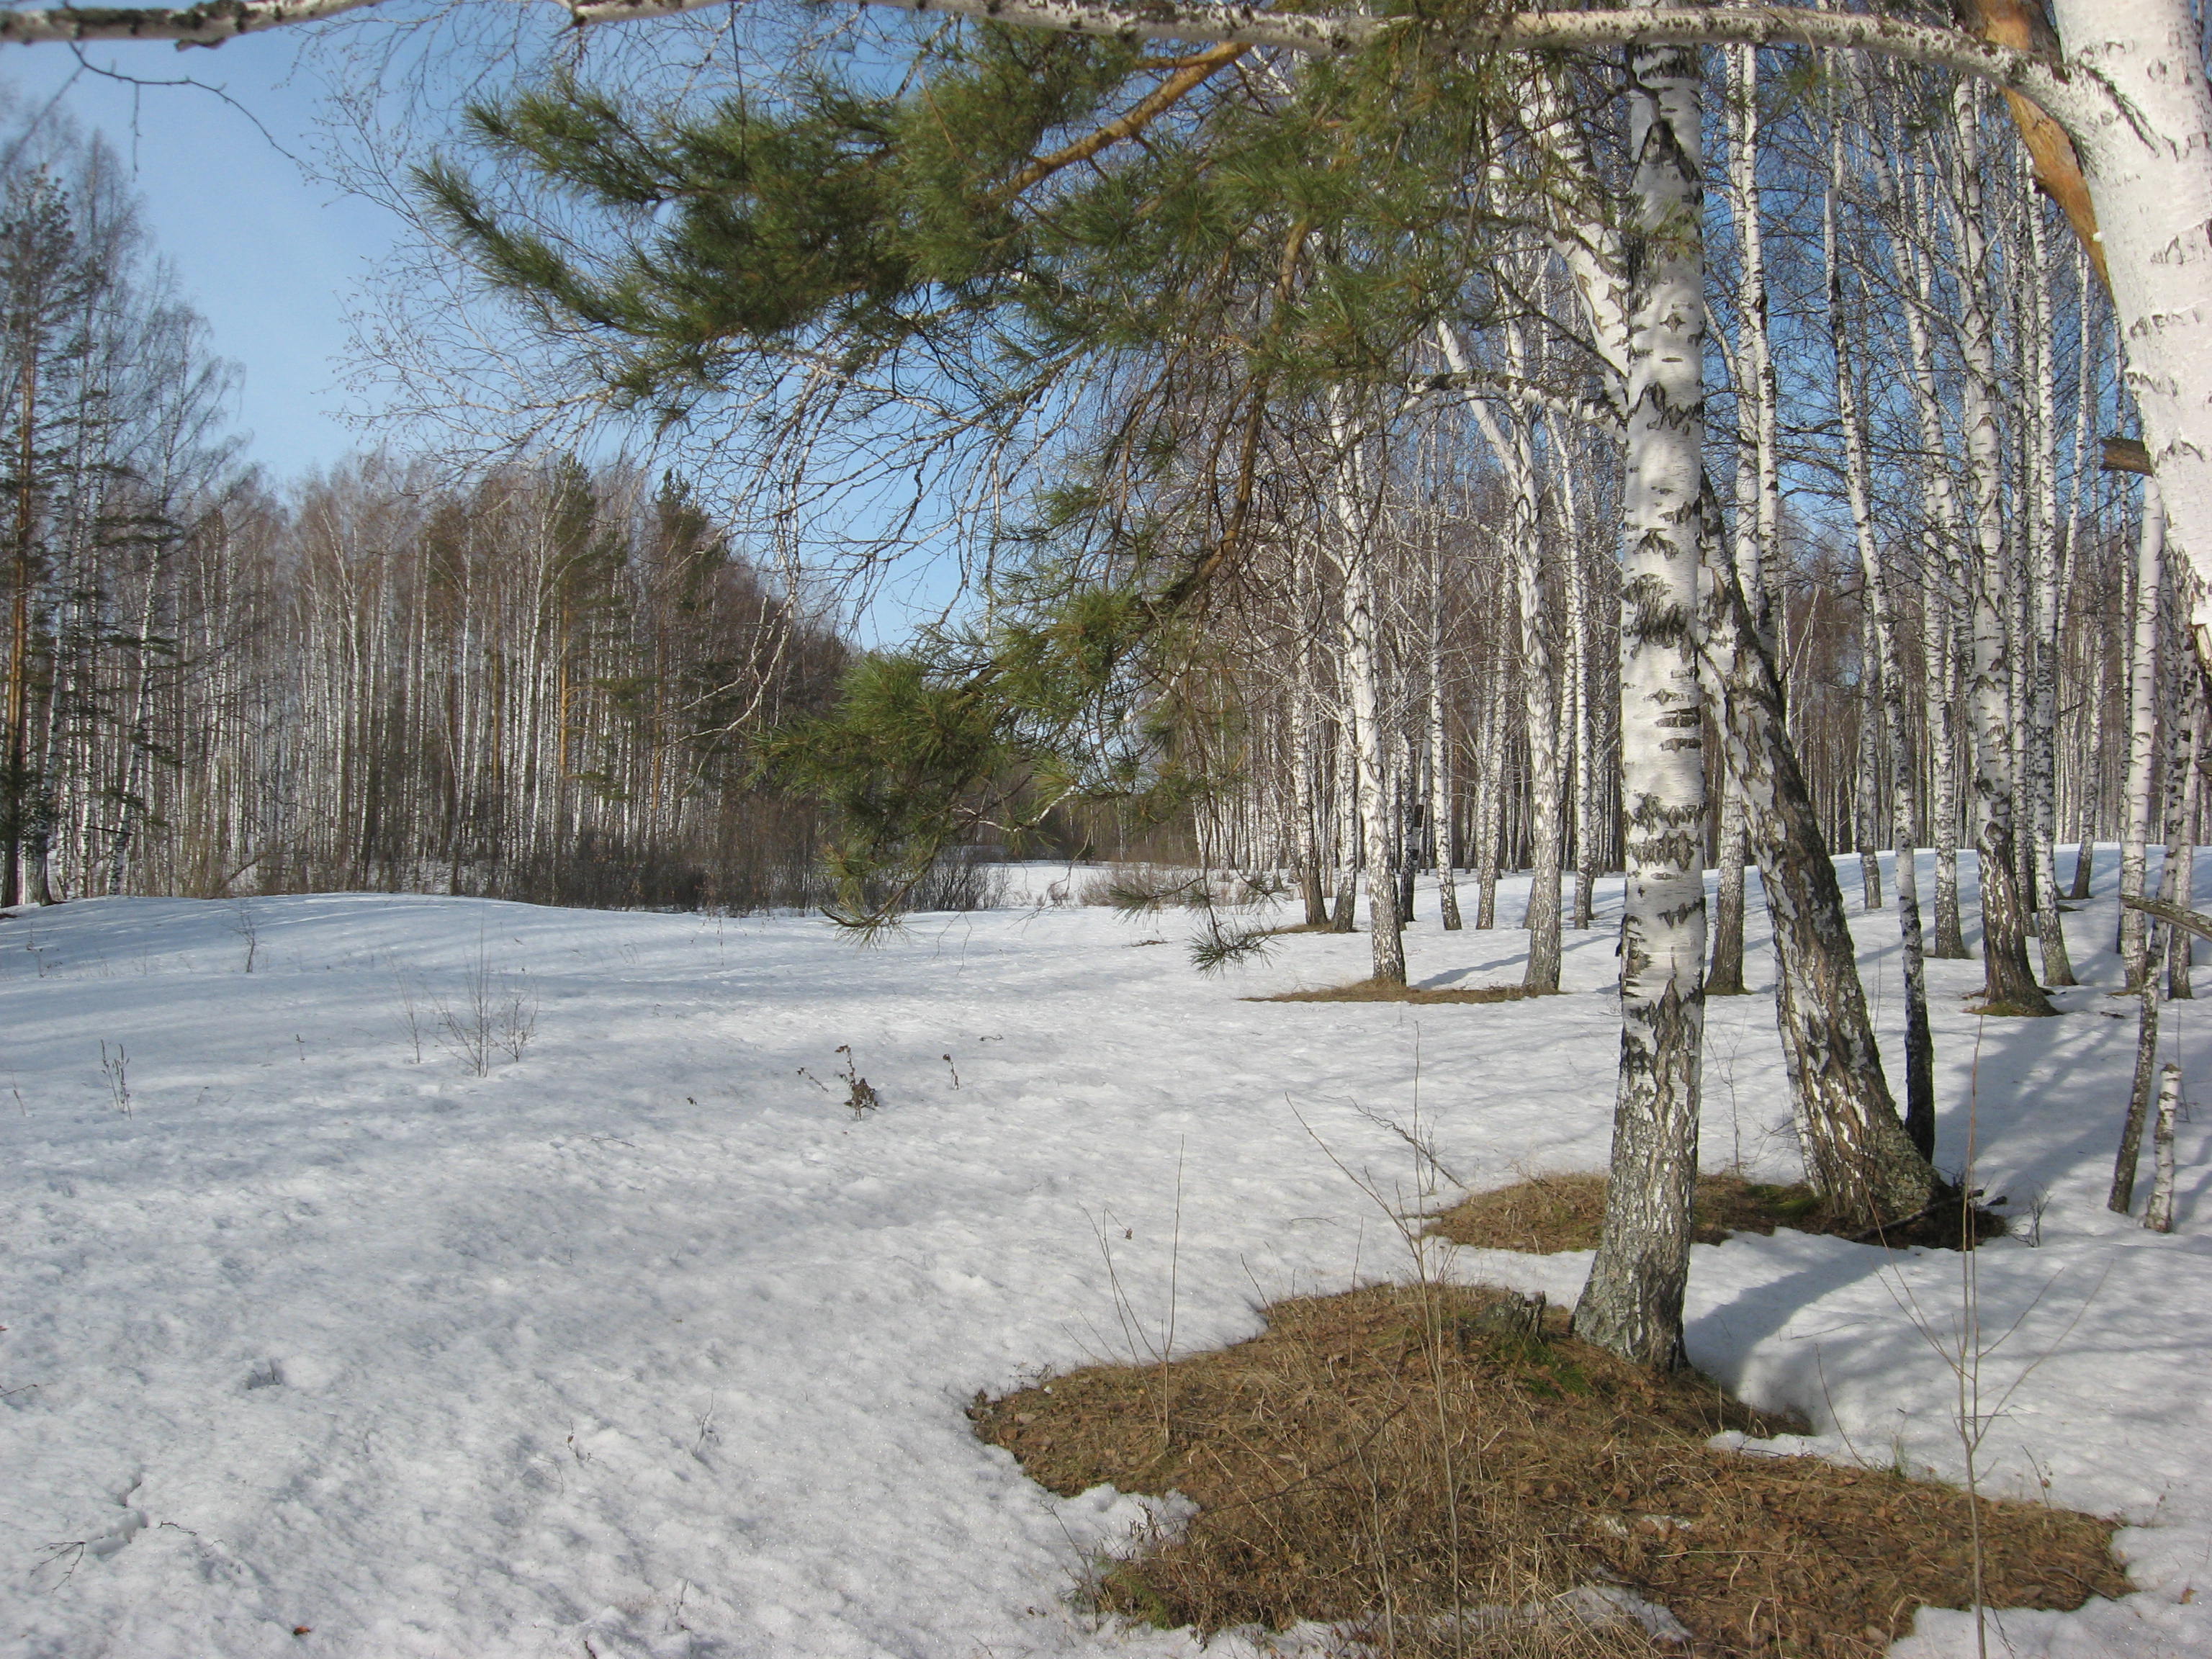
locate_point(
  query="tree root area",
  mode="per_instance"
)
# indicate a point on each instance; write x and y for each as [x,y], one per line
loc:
[1433,1475]
[1384,990]
[1564,1211]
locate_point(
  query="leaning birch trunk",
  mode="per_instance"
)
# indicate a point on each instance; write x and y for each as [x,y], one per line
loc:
[2122,1196]
[2008,985]
[1440,789]
[2142,730]
[1919,1044]
[1514,452]
[2085,848]
[1858,1154]
[1632,1303]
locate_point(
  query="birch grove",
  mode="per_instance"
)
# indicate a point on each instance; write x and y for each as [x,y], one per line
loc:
[1862,492]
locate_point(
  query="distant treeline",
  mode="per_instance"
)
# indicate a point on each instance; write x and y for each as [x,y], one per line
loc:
[540,683]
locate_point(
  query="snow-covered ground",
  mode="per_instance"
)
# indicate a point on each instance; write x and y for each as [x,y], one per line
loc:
[644,1343]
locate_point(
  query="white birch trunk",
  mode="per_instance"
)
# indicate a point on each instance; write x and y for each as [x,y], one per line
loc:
[1919,1121]
[1363,676]
[2041,643]
[2009,986]
[2143,727]
[1440,781]
[1538,690]
[2158,1215]
[1632,1303]
[2144,134]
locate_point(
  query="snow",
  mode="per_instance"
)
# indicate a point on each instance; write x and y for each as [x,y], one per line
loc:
[645,1343]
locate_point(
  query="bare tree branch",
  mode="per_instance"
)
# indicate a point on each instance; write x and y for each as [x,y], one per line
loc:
[2040,78]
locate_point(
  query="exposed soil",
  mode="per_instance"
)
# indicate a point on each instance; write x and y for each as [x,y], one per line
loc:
[1385,1456]
[1377,990]
[1563,1210]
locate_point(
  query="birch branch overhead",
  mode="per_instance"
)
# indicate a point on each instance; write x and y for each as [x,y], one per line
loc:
[1214,21]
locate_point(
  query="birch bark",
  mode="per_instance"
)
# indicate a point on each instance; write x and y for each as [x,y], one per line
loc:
[2144,146]
[1632,1303]
[1919,1121]
[1440,781]
[2041,642]
[2143,727]
[1511,446]
[1363,674]
[2008,985]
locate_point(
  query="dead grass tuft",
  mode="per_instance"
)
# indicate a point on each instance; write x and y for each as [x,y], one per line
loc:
[1385,1457]
[1563,1210]
[1380,990]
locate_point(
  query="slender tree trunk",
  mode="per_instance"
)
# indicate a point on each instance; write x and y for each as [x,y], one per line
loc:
[1304,786]
[1942,732]
[2158,1215]
[1407,795]
[2122,1196]
[1725,974]
[1870,780]
[1370,740]
[2040,642]
[2009,984]
[1943,535]
[17,783]
[1582,735]
[1489,797]
[1919,1045]
[2142,728]
[1440,778]
[2184,725]
[1511,445]
[1632,1303]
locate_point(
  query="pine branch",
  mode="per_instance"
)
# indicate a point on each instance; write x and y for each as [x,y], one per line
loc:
[1163,98]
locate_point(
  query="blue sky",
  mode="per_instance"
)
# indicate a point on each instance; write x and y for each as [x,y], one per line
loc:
[269,256]
[265,255]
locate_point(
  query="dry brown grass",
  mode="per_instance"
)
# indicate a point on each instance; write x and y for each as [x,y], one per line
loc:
[1385,1456]
[1379,990]
[1563,1210]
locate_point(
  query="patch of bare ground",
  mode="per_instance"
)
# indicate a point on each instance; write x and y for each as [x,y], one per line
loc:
[1391,1460]
[1382,990]
[1563,1210]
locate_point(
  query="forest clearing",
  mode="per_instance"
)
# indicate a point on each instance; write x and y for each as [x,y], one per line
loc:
[1350,828]
[647,1337]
